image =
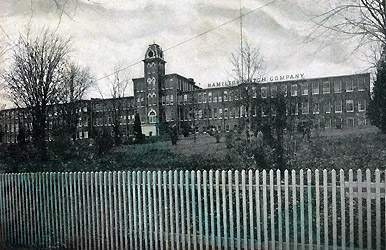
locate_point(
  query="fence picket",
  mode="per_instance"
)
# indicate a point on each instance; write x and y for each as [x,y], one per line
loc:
[171,207]
[237,198]
[115,210]
[265,208]
[218,217]
[301,200]
[156,214]
[194,220]
[200,217]
[193,209]
[188,210]
[139,204]
[183,213]
[111,210]
[317,208]
[272,212]
[231,225]
[224,205]
[206,213]
[212,215]
[351,207]
[279,209]
[244,206]
[102,209]
[121,219]
[2,209]
[334,213]
[360,221]
[342,209]
[325,209]
[150,209]
[368,210]
[294,209]
[177,210]
[309,210]
[90,210]
[377,209]
[258,211]
[144,210]
[286,207]
[130,201]
[97,225]
[134,202]
[251,217]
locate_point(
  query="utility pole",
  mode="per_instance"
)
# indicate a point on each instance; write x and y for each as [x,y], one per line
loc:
[241,45]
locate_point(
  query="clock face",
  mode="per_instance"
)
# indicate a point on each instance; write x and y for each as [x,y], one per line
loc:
[150,54]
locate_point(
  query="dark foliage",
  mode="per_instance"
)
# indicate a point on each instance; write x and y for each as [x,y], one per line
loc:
[377,106]
[137,129]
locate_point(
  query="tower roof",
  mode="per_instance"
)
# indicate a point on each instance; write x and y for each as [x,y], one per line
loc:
[154,51]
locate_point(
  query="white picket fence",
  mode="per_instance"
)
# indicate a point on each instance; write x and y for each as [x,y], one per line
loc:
[195,210]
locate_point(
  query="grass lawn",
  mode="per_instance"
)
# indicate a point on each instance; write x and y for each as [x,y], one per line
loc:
[359,149]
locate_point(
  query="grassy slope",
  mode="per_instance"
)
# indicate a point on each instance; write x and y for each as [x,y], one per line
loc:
[361,150]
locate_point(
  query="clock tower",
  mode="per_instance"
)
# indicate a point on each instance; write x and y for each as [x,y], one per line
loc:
[149,90]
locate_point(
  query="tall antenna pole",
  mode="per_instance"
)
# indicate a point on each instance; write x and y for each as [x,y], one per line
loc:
[241,45]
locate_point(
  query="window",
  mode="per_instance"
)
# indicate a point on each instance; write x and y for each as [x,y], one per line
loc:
[210,97]
[316,107]
[204,97]
[338,87]
[220,97]
[220,113]
[350,122]
[225,113]
[349,86]
[264,92]
[305,108]
[225,95]
[171,100]
[294,90]
[338,106]
[215,97]
[361,121]
[167,100]
[215,113]
[304,87]
[326,87]
[199,98]
[350,105]
[254,94]
[284,89]
[185,98]
[315,88]
[273,91]
[327,107]
[361,105]
[230,96]
[361,84]
[200,114]
[230,112]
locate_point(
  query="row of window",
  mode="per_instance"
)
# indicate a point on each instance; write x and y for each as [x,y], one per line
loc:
[303,108]
[224,95]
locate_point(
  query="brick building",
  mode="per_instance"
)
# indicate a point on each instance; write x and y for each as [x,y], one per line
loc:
[162,99]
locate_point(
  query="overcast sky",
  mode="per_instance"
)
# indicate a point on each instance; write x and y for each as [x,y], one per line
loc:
[107,32]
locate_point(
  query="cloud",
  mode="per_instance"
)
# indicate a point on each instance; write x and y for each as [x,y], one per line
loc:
[105,32]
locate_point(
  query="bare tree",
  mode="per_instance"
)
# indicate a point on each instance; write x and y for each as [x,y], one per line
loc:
[118,85]
[77,81]
[248,66]
[35,78]
[364,20]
